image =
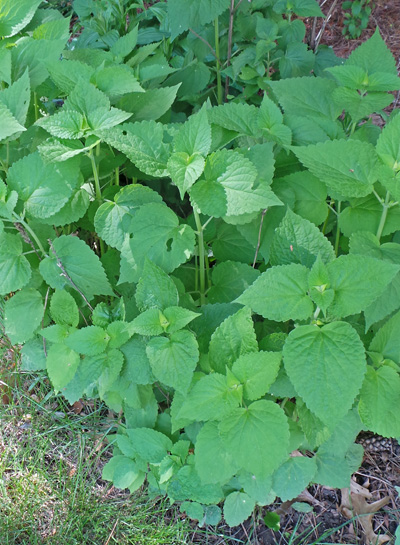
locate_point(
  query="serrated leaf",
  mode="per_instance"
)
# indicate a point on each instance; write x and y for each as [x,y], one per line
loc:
[350,279]
[17,98]
[158,236]
[380,400]
[319,283]
[151,104]
[155,288]
[9,125]
[187,484]
[388,145]
[292,477]
[85,98]
[43,188]
[185,169]
[194,136]
[177,318]
[229,280]
[33,357]
[15,270]
[148,322]
[116,81]
[241,118]
[257,372]
[365,214]
[66,73]
[387,340]
[297,240]
[280,293]
[82,265]
[137,366]
[173,360]
[61,364]
[297,61]
[15,15]
[90,340]
[233,338]
[213,462]
[126,44]
[143,144]
[359,106]
[270,121]
[184,14]
[150,445]
[373,56]
[238,506]
[23,314]
[73,210]
[211,398]
[332,354]
[347,167]
[258,435]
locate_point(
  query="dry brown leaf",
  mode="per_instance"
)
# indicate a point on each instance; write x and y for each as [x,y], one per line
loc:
[354,504]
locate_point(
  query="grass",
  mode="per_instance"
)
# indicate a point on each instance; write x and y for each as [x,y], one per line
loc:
[50,478]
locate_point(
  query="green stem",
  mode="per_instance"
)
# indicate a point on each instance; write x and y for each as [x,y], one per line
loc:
[117,176]
[385,208]
[217,66]
[36,106]
[325,222]
[353,128]
[18,219]
[339,206]
[96,175]
[202,266]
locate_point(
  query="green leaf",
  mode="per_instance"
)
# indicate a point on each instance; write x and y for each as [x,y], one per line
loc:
[149,322]
[126,44]
[270,121]
[229,280]
[158,236]
[319,283]
[67,73]
[359,106]
[116,81]
[177,318]
[233,338]
[17,98]
[257,372]
[333,355]
[387,341]
[114,360]
[173,360]
[150,445]
[82,265]
[213,462]
[15,15]
[306,97]
[194,136]
[193,510]
[297,240]
[187,484]
[292,477]
[137,366]
[388,145]
[15,270]
[151,104]
[72,211]
[44,188]
[52,29]
[228,187]
[123,472]
[55,333]
[310,195]
[185,169]
[258,435]
[143,144]
[54,150]
[23,313]
[238,506]
[113,220]
[241,118]
[373,56]
[90,340]
[85,98]
[211,398]
[63,309]
[379,401]
[5,65]
[32,355]
[350,279]
[280,293]
[155,288]
[185,14]
[297,61]
[9,125]
[336,471]
[62,363]
[347,167]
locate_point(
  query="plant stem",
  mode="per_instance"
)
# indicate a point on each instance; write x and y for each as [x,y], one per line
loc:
[96,175]
[385,208]
[217,64]
[230,36]
[36,106]
[26,227]
[117,176]
[202,265]
[339,206]
[353,128]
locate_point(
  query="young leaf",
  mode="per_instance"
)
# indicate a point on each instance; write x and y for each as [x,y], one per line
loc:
[173,360]
[280,293]
[319,283]
[238,506]
[333,355]
[155,288]
[177,318]
[297,240]
[62,363]
[379,401]
[82,265]
[350,279]
[347,167]
[15,270]
[22,315]
[233,338]
[258,435]
[185,169]
[63,309]
[149,323]
[257,372]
